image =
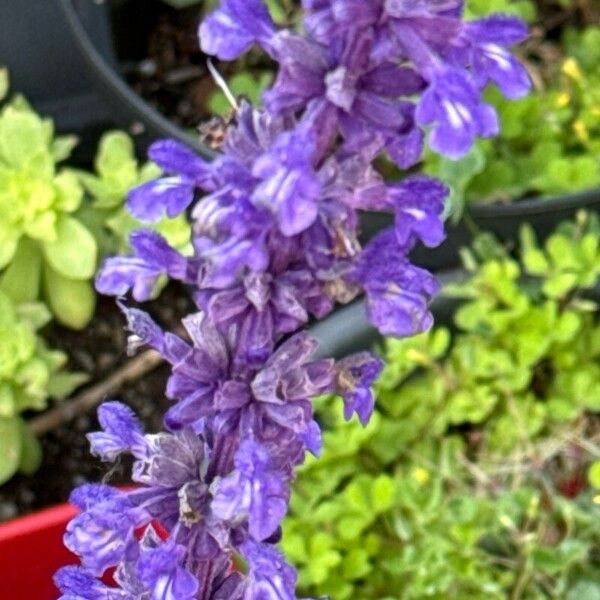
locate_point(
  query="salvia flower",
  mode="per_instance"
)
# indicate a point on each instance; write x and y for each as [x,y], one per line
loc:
[276,241]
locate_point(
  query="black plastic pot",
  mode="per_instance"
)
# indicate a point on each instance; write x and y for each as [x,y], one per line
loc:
[46,67]
[347,330]
[128,109]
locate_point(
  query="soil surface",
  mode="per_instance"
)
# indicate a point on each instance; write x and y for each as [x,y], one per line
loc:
[98,351]
[161,59]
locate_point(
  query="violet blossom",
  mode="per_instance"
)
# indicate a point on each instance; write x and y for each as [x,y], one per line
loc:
[276,230]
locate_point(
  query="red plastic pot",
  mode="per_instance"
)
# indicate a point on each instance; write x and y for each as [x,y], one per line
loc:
[31,550]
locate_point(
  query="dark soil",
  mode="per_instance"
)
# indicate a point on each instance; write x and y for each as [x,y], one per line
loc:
[98,351]
[164,64]
[160,56]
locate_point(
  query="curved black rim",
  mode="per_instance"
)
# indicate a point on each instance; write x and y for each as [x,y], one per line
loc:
[122,91]
[536,206]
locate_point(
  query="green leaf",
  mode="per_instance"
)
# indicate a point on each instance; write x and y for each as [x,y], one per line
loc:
[7,400]
[69,193]
[594,475]
[584,590]
[63,146]
[22,136]
[63,384]
[10,447]
[116,163]
[382,493]
[4,83]
[72,302]
[35,314]
[74,253]
[31,451]
[9,239]
[457,174]
[21,281]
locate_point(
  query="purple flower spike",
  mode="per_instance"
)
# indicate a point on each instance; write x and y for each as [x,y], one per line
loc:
[122,433]
[355,376]
[276,240]
[234,27]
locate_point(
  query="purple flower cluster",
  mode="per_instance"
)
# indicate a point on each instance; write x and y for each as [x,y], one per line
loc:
[276,243]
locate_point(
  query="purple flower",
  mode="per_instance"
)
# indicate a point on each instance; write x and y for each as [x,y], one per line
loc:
[484,51]
[102,534]
[355,376]
[75,583]
[169,195]
[254,492]
[289,186]
[234,27]
[153,258]
[418,203]
[363,101]
[276,230]
[453,105]
[122,432]
[398,293]
[269,576]
[161,571]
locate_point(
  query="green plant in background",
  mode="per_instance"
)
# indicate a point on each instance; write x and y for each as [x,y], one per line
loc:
[53,234]
[470,480]
[30,373]
[41,241]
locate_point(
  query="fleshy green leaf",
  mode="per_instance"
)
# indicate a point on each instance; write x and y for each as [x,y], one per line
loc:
[21,281]
[72,301]
[4,82]
[31,451]
[74,253]
[10,447]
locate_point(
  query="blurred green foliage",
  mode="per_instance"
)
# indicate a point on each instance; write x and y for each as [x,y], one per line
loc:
[57,222]
[30,373]
[470,480]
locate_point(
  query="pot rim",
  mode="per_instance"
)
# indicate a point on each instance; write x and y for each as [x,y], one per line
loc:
[120,89]
[535,206]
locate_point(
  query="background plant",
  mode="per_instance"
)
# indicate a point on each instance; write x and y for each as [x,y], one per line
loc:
[51,235]
[470,481]
[30,374]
